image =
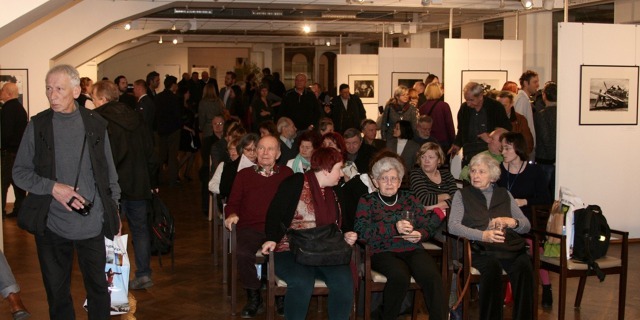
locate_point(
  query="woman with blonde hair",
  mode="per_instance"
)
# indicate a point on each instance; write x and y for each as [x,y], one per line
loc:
[443,129]
[397,108]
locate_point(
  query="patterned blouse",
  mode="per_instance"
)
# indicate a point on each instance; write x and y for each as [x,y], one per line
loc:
[304,218]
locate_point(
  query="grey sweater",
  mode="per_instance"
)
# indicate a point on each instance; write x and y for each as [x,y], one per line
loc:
[457,213]
[68,132]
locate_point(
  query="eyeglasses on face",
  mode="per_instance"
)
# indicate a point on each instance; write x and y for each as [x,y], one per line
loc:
[389,180]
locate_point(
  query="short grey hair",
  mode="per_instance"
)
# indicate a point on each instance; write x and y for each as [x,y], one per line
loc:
[283,122]
[385,164]
[246,140]
[352,132]
[490,162]
[474,88]
[68,70]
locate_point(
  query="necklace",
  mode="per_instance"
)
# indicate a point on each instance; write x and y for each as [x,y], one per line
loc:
[387,204]
[509,183]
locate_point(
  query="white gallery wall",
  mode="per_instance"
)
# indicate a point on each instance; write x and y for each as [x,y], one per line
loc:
[598,162]
[476,54]
[359,64]
[404,60]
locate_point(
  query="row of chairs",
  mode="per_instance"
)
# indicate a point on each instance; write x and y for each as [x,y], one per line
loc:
[447,252]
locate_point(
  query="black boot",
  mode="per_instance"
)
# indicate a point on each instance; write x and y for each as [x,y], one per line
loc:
[547,296]
[280,306]
[254,304]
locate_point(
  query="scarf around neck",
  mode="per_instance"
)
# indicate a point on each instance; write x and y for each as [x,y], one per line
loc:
[300,164]
[324,206]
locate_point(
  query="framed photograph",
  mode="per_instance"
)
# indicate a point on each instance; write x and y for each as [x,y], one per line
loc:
[365,86]
[608,95]
[21,78]
[406,79]
[489,79]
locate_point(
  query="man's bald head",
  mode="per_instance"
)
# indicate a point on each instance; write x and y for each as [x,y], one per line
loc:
[495,146]
[10,91]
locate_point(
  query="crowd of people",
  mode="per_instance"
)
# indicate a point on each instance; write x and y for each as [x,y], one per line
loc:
[286,159]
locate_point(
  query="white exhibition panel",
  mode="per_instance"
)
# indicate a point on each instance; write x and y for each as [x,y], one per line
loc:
[359,64]
[405,60]
[477,54]
[598,162]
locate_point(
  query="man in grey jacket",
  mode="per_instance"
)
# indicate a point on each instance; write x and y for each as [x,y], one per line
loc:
[65,163]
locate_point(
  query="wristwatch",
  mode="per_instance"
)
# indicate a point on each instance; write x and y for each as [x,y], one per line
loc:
[517,223]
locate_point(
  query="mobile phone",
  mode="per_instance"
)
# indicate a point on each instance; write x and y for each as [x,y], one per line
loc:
[380,109]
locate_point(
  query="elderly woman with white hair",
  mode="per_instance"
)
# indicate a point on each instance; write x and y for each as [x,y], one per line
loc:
[488,215]
[394,223]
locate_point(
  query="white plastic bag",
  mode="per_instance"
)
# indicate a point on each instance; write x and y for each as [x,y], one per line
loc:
[570,203]
[117,271]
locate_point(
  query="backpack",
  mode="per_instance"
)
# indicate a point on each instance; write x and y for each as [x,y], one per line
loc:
[591,237]
[161,227]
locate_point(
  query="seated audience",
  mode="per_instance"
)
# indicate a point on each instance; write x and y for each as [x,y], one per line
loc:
[425,123]
[494,150]
[336,141]
[307,200]
[369,129]
[488,215]
[287,135]
[402,143]
[357,152]
[434,187]
[268,128]
[214,183]
[252,192]
[527,184]
[307,143]
[396,241]
[246,148]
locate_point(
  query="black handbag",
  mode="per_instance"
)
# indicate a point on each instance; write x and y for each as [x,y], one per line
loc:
[319,246]
[513,246]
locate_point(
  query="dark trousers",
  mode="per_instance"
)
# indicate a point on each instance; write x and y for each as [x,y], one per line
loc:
[300,280]
[249,241]
[55,254]
[399,267]
[168,147]
[8,158]
[520,274]
[136,213]
[549,171]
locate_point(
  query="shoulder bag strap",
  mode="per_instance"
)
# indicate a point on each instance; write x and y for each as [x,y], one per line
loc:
[84,143]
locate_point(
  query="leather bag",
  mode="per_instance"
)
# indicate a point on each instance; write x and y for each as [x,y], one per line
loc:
[319,246]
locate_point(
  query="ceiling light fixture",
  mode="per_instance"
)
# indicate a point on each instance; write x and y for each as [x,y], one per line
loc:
[173,26]
[175,41]
[548,4]
[127,26]
[527,4]
[160,41]
[425,2]
[306,28]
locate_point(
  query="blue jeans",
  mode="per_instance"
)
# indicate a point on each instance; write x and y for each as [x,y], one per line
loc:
[56,258]
[300,280]
[136,213]
[8,283]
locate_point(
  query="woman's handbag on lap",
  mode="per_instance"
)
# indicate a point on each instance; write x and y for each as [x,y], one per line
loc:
[319,246]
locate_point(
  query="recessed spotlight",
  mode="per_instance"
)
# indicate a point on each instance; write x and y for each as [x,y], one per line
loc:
[175,41]
[127,26]
[527,4]
[306,28]
[160,41]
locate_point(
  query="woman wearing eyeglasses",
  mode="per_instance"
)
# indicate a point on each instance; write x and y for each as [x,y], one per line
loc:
[394,223]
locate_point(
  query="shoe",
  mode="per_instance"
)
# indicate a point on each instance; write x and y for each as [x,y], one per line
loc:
[18,311]
[143,282]
[280,306]
[21,315]
[254,304]
[547,296]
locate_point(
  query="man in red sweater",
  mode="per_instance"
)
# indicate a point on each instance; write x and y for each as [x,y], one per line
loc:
[251,193]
